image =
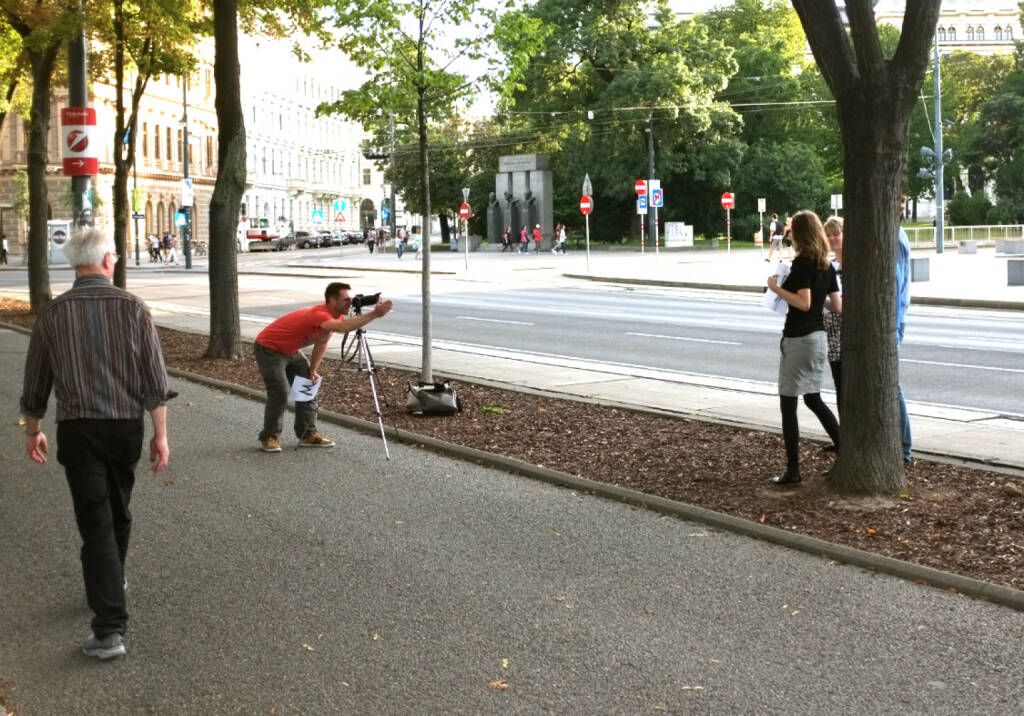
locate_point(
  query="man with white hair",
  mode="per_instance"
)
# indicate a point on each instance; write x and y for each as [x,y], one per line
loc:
[95,347]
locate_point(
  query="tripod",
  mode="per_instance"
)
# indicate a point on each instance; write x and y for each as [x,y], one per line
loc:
[361,349]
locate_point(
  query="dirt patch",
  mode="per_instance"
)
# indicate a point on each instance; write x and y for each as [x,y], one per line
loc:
[955,518]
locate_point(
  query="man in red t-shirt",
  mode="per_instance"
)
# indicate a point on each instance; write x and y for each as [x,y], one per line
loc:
[537,236]
[278,350]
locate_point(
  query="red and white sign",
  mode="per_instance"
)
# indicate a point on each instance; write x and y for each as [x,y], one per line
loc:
[640,186]
[79,147]
[586,204]
[728,200]
[464,211]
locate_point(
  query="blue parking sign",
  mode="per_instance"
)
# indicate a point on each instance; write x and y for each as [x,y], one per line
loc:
[657,198]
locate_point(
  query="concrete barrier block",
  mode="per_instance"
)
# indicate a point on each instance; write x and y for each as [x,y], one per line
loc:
[919,270]
[1014,248]
[1015,272]
[968,247]
[999,245]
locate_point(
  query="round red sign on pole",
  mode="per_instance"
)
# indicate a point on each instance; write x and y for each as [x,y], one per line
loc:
[728,200]
[464,211]
[586,204]
[640,186]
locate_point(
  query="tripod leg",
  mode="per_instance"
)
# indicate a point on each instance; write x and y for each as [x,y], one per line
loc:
[364,355]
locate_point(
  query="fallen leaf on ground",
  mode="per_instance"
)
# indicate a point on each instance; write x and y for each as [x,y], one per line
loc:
[500,685]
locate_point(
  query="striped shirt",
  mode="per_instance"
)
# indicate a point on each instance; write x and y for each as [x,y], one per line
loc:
[96,348]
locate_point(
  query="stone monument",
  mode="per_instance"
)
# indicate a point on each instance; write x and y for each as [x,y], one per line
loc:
[524,180]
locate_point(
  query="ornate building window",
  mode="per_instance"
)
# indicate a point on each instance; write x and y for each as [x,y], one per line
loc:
[998,33]
[979,33]
[951,34]
[970,33]
[942,34]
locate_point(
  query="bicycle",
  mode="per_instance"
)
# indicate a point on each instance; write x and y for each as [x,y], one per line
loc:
[199,249]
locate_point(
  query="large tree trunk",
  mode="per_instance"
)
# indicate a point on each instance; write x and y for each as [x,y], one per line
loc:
[42,60]
[874,98]
[225,331]
[122,163]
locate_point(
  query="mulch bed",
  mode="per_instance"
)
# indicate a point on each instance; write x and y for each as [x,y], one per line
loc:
[954,518]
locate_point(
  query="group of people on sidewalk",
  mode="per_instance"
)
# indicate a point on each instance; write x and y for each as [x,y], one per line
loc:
[162,250]
[811,335]
[96,348]
[557,239]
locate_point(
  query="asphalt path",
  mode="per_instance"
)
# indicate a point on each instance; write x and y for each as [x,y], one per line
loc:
[313,582]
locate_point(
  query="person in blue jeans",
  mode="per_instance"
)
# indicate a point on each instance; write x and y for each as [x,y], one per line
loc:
[902,304]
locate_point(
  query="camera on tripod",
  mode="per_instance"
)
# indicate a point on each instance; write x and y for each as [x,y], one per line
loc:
[359,301]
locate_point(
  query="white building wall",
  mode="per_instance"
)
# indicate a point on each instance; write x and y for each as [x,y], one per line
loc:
[299,163]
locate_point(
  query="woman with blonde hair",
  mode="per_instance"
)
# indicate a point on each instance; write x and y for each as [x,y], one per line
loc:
[834,321]
[810,286]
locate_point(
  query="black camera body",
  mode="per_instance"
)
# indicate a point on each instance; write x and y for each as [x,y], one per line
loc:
[359,301]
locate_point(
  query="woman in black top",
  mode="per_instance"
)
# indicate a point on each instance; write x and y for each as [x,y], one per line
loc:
[810,286]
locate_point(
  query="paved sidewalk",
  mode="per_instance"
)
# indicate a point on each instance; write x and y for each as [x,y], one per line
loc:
[335,582]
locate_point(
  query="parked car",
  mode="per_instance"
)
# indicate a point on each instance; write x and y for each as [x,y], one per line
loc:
[280,243]
[353,237]
[306,240]
[325,238]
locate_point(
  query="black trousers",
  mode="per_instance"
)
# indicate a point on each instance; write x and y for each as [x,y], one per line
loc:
[99,459]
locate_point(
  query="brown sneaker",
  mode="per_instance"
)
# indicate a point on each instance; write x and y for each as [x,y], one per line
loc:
[316,440]
[270,445]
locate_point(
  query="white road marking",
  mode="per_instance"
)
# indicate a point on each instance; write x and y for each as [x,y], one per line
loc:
[963,365]
[493,320]
[683,338]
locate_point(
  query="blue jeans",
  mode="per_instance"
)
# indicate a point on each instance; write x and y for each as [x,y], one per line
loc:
[278,371]
[904,416]
[99,459]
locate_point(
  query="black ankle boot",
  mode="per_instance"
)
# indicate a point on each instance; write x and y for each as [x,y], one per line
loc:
[790,477]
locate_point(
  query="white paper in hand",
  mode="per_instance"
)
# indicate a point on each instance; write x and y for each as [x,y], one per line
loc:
[773,301]
[303,389]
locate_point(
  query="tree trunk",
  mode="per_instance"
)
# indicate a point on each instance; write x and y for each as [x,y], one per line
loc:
[446,230]
[874,99]
[427,369]
[42,60]
[8,96]
[120,164]
[225,331]
[871,459]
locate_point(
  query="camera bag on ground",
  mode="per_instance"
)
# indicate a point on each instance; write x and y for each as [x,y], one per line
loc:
[432,399]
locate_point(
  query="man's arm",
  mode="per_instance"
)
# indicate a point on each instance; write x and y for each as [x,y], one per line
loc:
[159,451]
[356,322]
[319,351]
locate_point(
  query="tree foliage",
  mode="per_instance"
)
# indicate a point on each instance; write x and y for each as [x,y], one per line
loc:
[604,79]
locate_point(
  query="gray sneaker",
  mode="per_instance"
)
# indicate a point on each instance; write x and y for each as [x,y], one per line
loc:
[109,647]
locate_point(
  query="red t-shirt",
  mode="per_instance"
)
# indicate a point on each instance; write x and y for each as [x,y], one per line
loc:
[536,235]
[295,330]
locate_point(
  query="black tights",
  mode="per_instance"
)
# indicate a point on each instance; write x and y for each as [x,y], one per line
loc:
[791,427]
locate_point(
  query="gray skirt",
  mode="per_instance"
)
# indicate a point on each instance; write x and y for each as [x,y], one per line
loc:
[803,364]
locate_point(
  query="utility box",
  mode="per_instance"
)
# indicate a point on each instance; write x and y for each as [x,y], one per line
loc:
[919,270]
[967,247]
[1015,272]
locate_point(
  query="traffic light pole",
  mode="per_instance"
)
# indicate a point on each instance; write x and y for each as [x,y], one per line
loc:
[78,96]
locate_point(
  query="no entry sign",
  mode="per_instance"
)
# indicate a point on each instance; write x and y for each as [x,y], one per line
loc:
[586,204]
[464,211]
[640,186]
[79,151]
[728,200]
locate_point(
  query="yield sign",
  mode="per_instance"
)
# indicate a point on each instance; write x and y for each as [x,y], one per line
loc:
[586,204]
[640,186]
[728,200]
